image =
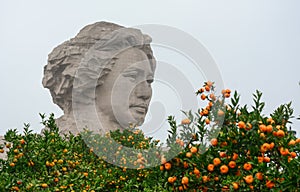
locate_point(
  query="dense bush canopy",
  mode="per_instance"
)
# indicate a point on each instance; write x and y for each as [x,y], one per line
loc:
[222,147]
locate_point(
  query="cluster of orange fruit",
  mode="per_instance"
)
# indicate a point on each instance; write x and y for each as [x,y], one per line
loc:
[243,167]
[207,93]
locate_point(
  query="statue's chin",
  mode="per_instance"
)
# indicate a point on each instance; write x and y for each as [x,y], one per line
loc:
[138,116]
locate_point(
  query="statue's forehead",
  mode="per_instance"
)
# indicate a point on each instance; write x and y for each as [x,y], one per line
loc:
[133,54]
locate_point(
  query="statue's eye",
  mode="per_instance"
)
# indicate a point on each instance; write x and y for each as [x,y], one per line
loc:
[150,80]
[131,74]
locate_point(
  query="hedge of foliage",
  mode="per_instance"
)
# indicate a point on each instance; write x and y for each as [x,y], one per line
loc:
[222,147]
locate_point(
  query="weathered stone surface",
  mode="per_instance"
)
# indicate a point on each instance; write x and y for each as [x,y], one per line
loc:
[101,78]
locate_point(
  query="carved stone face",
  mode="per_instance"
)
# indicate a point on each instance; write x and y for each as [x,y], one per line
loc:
[93,84]
[126,92]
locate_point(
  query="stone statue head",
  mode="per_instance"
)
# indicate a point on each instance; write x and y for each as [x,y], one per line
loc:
[103,74]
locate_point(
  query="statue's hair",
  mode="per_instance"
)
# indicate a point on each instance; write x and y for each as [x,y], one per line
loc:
[78,66]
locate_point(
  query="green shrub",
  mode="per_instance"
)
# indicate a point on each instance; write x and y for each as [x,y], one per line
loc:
[223,147]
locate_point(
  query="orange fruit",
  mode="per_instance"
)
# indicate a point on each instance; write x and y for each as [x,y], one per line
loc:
[259,176]
[217,161]
[214,142]
[224,169]
[225,188]
[15,188]
[226,93]
[201,90]
[284,151]
[186,121]
[208,108]
[267,159]
[265,147]
[60,161]
[235,185]
[12,164]
[168,166]
[247,166]
[205,178]
[222,154]
[181,143]
[223,144]
[1,150]
[280,133]
[205,112]
[207,121]
[139,155]
[232,164]
[44,185]
[180,188]
[22,141]
[185,180]
[241,125]
[212,96]
[223,92]
[298,140]
[209,83]
[210,167]
[207,88]
[185,165]
[171,180]
[203,96]
[161,168]
[270,120]
[263,128]
[235,156]
[196,171]
[272,145]
[7,145]
[193,149]
[292,142]
[270,184]
[248,179]
[188,154]
[293,154]
[269,128]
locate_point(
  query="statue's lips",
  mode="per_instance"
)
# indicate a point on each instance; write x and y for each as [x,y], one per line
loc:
[139,108]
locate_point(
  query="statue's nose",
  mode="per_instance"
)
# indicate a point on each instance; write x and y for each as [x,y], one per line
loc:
[143,90]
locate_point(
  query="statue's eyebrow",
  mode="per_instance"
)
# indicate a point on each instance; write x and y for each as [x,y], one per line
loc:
[136,69]
[131,69]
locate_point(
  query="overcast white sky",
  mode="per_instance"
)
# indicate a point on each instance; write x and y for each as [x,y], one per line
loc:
[255,43]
